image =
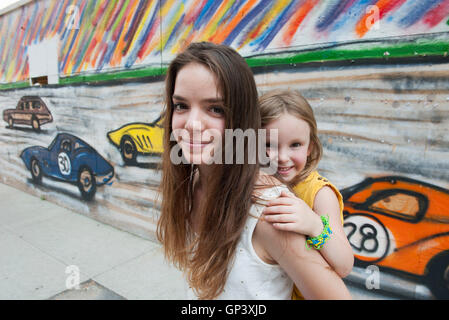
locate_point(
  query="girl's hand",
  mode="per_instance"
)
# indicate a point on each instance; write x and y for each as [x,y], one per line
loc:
[289,213]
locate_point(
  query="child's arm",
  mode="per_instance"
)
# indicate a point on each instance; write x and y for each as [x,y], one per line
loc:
[289,213]
[337,251]
[307,268]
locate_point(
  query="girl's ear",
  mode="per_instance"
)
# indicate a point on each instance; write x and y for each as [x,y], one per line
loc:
[310,148]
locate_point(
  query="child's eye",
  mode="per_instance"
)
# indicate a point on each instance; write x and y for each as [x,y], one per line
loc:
[296,145]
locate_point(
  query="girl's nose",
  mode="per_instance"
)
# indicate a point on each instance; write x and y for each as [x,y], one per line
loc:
[194,121]
[282,156]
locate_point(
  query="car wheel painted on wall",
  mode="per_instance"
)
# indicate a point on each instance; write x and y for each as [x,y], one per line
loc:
[36,171]
[86,183]
[35,124]
[437,275]
[128,150]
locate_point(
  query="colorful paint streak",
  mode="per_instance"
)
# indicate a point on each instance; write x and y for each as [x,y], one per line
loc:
[97,36]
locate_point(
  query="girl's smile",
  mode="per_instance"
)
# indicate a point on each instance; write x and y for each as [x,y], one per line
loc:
[198,121]
[292,147]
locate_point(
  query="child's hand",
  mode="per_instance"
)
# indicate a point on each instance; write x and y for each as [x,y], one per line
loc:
[289,213]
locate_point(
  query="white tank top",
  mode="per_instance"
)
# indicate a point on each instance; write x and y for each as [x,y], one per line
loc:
[249,277]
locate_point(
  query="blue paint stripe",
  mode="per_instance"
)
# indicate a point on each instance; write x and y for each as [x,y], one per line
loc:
[417,11]
[208,10]
[133,21]
[331,14]
[276,26]
[353,15]
[251,16]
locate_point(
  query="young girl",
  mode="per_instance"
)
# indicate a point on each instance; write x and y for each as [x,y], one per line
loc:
[297,152]
[210,224]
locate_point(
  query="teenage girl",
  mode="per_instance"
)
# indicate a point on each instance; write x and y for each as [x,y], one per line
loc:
[210,224]
[315,209]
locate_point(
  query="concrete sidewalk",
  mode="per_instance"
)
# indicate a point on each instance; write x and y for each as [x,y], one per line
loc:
[42,246]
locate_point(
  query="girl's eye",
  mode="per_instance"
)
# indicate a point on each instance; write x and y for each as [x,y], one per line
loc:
[179,106]
[296,145]
[217,110]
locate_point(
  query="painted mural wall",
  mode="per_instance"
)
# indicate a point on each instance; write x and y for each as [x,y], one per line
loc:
[376,73]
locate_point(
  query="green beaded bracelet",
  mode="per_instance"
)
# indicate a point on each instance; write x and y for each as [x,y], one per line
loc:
[319,241]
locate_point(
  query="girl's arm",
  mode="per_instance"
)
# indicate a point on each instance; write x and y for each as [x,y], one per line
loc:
[290,213]
[306,267]
[337,251]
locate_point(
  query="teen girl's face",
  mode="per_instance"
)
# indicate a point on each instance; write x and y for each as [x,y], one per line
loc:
[292,147]
[198,120]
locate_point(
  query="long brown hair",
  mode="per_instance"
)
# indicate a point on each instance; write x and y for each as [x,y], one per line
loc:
[205,255]
[279,101]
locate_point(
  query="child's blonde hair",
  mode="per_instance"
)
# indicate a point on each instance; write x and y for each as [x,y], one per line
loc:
[275,103]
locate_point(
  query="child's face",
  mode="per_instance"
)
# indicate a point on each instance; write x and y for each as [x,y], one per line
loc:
[198,120]
[293,145]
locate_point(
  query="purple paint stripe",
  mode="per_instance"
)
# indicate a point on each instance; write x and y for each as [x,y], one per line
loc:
[14,41]
[332,13]
[277,25]
[233,10]
[47,26]
[262,7]
[141,41]
[205,14]
[136,19]
[254,24]
[174,31]
[62,25]
[8,45]
[117,10]
[57,13]
[32,20]
[73,41]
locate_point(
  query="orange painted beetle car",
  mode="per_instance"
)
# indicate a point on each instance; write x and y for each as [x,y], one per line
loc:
[400,224]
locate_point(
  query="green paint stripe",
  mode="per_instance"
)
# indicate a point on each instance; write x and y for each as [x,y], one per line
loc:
[14,85]
[397,51]
[122,75]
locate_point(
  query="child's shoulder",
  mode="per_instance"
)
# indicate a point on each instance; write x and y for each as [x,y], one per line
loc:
[314,178]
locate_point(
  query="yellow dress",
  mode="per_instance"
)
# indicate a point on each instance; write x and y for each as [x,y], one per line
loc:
[307,190]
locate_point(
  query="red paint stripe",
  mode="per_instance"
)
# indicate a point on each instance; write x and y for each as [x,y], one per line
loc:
[437,14]
[194,12]
[297,19]
[61,19]
[100,13]
[153,30]
[118,7]
[119,27]
[134,27]
[385,6]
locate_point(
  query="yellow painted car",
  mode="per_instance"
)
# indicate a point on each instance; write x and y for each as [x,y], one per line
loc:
[138,138]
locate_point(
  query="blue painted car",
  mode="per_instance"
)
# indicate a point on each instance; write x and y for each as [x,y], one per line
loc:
[69,159]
